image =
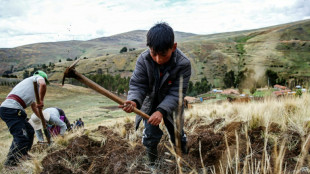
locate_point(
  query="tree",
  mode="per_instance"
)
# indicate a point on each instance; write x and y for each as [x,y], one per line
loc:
[205,86]
[272,77]
[33,71]
[229,79]
[59,60]
[281,81]
[120,90]
[124,49]
[298,93]
[25,74]
[253,90]
[239,79]
[190,87]
[44,66]
[200,87]
[99,71]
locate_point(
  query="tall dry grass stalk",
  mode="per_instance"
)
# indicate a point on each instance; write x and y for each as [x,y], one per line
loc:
[202,164]
[178,127]
[291,114]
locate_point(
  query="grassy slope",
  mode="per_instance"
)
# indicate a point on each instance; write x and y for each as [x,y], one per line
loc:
[290,114]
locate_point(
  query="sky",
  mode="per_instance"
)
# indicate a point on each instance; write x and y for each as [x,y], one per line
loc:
[25,22]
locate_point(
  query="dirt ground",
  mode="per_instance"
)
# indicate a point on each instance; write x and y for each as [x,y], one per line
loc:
[115,154]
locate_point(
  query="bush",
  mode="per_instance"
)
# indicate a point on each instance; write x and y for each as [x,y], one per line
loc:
[124,49]
[253,90]
[229,79]
[272,77]
[298,93]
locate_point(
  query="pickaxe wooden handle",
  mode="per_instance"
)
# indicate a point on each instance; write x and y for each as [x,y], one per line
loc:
[46,133]
[72,73]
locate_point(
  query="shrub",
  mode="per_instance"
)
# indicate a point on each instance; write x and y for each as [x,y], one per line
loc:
[298,93]
[124,49]
[253,90]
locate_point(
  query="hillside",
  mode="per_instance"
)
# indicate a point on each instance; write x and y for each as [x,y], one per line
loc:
[25,56]
[282,48]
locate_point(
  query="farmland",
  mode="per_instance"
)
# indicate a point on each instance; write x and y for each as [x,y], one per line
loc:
[268,136]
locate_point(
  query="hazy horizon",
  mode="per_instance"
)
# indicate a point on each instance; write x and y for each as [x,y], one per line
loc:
[31,21]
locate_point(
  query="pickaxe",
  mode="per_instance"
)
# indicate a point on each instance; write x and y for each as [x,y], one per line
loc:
[72,73]
[47,135]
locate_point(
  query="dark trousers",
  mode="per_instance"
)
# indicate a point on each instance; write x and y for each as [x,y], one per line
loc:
[22,132]
[152,134]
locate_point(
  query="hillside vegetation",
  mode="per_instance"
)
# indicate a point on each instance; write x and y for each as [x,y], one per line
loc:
[284,48]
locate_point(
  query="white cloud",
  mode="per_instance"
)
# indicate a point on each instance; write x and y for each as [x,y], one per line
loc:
[24,22]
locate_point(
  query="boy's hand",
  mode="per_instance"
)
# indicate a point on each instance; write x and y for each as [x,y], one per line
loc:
[155,118]
[128,106]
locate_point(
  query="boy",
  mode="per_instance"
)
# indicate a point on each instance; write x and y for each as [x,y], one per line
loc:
[154,86]
[12,112]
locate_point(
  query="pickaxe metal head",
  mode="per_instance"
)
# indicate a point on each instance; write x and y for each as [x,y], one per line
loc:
[69,72]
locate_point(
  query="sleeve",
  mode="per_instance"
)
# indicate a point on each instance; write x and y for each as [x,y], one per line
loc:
[39,135]
[61,112]
[56,121]
[37,78]
[171,101]
[67,122]
[138,84]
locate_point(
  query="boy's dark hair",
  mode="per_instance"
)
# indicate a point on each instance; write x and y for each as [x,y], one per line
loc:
[160,37]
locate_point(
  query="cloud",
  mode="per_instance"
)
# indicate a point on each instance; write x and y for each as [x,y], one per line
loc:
[31,21]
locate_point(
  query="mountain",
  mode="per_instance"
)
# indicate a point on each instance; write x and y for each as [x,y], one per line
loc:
[18,58]
[284,49]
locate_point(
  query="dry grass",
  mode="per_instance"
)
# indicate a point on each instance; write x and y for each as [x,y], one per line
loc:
[289,113]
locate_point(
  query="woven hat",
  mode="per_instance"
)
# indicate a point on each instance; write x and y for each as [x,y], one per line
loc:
[35,121]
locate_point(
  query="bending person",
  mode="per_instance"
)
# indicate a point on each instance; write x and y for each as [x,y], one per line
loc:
[12,112]
[52,118]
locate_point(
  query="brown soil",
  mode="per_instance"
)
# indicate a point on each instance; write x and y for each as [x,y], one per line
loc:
[115,154]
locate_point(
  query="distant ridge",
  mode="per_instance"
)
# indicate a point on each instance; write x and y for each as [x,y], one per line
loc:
[283,48]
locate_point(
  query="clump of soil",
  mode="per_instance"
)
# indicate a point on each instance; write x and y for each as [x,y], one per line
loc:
[116,154]
[209,144]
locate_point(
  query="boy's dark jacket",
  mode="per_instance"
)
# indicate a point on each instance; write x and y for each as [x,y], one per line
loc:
[142,86]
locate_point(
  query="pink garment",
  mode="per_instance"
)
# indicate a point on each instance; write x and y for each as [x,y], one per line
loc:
[55,130]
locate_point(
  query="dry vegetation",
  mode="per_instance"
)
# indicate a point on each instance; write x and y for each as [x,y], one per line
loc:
[270,136]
